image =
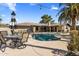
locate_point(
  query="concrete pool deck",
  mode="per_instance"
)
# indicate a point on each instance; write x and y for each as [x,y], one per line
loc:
[37,48]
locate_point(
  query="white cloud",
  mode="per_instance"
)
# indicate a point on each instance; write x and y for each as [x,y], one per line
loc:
[11,6]
[3,15]
[8,18]
[54,8]
[32,4]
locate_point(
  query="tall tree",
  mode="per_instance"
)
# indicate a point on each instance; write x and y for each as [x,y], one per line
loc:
[13,18]
[69,13]
[0,19]
[13,21]
[46,19]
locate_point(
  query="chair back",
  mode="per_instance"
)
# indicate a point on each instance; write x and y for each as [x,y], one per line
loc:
[4,33]
[2,40]
[24,36]
[20,33]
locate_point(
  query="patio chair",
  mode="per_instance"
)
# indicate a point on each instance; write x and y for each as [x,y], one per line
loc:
[23,37]
[2,43]
[19,44]
[4,33]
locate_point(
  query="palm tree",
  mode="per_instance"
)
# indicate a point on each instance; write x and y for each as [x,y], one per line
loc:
[46,19]
[13,21]
[52,21]
[13,13]
[69,14]
[0,19]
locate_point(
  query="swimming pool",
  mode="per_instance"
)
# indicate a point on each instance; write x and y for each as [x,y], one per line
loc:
[45,37]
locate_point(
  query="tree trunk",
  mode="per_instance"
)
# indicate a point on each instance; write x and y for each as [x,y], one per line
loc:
[73,23]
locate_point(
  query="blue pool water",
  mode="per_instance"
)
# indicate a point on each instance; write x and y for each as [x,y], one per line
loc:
[44,37]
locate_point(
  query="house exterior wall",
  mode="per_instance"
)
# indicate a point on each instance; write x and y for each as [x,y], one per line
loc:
[41,28]
[65,28]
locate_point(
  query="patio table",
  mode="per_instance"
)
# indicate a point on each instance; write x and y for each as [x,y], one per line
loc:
[12,37]
[15,40]
[3,31]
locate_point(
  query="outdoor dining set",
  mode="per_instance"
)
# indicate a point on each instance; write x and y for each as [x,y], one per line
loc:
[11,40]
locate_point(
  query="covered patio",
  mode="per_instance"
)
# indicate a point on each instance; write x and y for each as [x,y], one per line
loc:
[37,27]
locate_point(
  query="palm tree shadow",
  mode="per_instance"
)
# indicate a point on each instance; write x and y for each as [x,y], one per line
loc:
[54,50]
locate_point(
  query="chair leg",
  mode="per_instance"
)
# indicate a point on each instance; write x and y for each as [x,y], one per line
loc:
[21,45]
[3,47]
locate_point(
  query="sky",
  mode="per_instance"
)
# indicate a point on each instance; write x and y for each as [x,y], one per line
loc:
[28,12]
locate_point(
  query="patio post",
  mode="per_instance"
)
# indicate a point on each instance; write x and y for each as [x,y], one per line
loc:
[34,29]
[39,29]
[57,28]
